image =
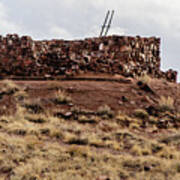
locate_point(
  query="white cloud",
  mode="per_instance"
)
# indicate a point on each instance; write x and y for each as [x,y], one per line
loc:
[117,31]
[60,33]
[6,26]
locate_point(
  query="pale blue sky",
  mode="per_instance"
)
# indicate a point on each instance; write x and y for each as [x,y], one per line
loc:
[76,19]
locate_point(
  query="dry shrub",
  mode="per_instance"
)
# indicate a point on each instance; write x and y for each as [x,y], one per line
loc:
[61,97]
[105,110]
[141,113]
[166,103]
[85,119]
[146,79]
[20,95]
[9,86]
[76,150]
[34,107]
[36,118]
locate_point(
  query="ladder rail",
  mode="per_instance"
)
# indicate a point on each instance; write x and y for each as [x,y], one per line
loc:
[109,24]
[104,24]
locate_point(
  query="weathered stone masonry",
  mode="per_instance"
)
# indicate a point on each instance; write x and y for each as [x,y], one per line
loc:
[128,56]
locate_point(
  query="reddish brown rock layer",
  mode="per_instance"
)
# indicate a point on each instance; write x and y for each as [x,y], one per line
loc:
[128,56]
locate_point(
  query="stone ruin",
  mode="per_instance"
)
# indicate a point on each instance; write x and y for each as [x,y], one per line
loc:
[127,56]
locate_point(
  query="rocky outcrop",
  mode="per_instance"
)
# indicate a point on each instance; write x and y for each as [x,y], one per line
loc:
[128,56]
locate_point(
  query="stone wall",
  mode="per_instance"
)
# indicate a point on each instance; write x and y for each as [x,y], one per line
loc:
[128,56]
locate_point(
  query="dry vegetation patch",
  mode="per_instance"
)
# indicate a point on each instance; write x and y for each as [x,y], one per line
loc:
[61,97]
[166,103]
[36,143]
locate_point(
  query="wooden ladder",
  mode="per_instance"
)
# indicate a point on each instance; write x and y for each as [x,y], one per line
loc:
[105,26]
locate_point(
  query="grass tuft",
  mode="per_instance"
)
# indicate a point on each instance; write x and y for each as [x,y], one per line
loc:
[9,86]
[146,79]
[141,113]
[166,103]
[61,97]
[105,110]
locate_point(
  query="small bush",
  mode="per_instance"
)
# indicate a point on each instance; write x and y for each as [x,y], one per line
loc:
[34,108]
[62,97]
[9,87]
[74,139]
[20,95]
[57,133]
[105,110]
[144,79]
[36,118]
[166,103]
[98,143]
[76,150]
[140,113]
[84,119]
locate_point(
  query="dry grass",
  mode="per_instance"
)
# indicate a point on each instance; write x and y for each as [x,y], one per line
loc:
[166,103]
[39,156]
[61,97]
[146,79]
[105,111]
[102,144]
[20,95]
[141,113]
[9,86]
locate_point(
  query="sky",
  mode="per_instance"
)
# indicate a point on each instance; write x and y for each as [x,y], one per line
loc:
[78,19]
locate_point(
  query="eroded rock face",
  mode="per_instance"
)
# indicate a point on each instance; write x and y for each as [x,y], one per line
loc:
[128,56]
